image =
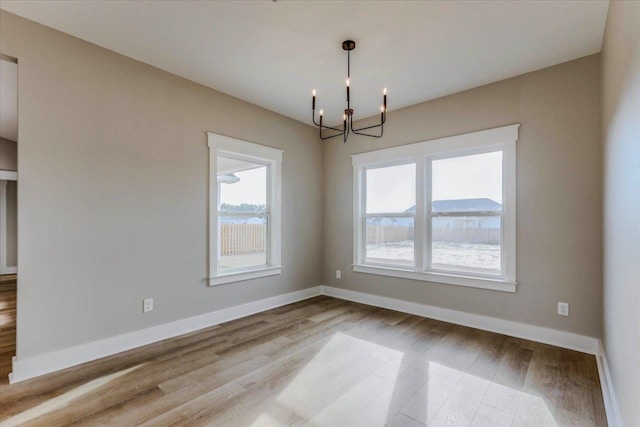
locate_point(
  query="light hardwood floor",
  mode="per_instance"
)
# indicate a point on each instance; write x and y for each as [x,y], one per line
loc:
[320,362]
[7,322]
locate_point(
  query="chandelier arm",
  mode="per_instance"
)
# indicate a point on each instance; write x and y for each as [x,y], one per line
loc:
[365,128]
[368,134]
[323,126]
[383,120]
[368,127]
[329,127]
[329,137]
[381,126]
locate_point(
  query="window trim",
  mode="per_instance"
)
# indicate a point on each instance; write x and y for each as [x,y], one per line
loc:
[422,153]
[366,215]
[226,146]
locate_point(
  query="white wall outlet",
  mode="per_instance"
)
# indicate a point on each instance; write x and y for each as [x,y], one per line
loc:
[338,274]
[563,308]
[147,305]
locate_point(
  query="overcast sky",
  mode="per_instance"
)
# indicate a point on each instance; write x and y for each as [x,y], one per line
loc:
[252,188]
[392,189]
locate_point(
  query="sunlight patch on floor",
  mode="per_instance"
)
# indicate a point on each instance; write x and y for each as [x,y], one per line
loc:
[337,383]
[353,382]
[64,399]
[454,397]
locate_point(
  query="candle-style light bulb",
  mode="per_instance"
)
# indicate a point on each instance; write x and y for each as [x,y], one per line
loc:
[348,82]
[384,92]
[382,109]
[313,107]
[313,92]
[321,112]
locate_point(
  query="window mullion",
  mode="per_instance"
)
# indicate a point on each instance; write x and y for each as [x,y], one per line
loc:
[418,222]
[359,203]
[425,218]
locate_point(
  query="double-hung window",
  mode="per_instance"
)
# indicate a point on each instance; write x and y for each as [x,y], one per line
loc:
[244,223]
[439,211]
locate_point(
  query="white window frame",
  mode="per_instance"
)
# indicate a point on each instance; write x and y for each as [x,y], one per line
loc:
[220,145]
[423,153]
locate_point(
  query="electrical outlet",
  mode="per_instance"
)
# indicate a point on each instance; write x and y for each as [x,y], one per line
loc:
[147,305]
[338,274]
[563,308]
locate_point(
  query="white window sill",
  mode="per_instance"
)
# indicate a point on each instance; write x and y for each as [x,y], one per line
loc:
[450,279]
[239,276]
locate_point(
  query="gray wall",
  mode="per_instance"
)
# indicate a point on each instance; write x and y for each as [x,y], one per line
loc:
[8,154]
[559,182]
[113,191]
[621,130]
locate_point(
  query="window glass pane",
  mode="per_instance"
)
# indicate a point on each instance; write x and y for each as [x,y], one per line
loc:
[243,185]
[391,189]
[467,183]
[466,243]
[389,240]
[243,241]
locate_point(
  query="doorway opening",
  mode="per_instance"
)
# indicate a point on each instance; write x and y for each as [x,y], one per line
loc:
[8,211]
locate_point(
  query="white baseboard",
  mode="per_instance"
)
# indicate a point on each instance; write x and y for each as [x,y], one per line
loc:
[24,369]
[608,392]
[555,337]
[10,270]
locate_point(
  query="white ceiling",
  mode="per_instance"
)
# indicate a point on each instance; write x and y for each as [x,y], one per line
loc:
[273,53]
[8,100]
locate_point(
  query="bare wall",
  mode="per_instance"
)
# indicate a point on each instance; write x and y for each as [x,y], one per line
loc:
[621,131]
[113,192]
[559,182]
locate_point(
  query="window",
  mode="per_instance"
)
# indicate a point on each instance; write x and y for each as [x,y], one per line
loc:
[244,223]
[440,211]
[389,220]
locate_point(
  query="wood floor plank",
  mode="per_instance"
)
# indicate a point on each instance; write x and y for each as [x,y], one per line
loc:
[318,362]
[8,313]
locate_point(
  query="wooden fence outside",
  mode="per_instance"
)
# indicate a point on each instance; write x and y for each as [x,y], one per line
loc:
[251,238]
[489,236]
[380,234]
[243,238]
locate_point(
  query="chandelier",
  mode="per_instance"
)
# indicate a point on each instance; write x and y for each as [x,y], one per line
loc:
[347,117]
